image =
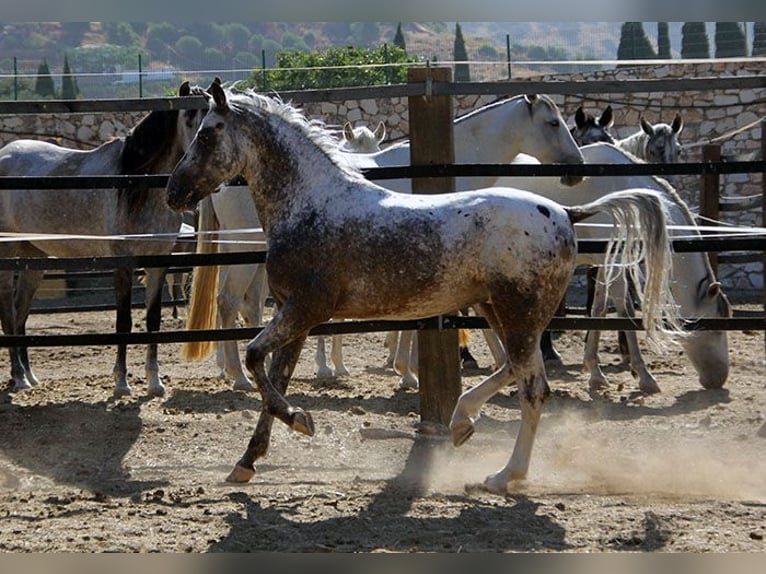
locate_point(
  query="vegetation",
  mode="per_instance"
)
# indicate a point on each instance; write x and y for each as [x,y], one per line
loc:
[634,45]
[334,68]
[663,40]
[462,71]
[694,42]
[729,40]
[759,39]
[44,84]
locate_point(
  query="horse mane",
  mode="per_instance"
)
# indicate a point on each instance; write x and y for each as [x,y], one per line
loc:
[546,100]
[144,147]
[315,130]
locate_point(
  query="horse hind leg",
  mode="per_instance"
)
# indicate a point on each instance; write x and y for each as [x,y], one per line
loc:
[10,327]
[405,360]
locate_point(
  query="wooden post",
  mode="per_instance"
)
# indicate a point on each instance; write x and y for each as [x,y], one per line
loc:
[763,216]
[709,202]
[432,142]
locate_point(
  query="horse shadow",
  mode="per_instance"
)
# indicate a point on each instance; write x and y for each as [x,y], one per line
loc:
[76,443]
[484,522]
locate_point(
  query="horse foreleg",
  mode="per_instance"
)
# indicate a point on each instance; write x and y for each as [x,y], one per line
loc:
[123,283]
[591,362]
[323,370]
[28,283]
[155,281]
[646,381]
[282,366]
[9,324]
[233,285]
[404,362]
[390,343]
[337,356]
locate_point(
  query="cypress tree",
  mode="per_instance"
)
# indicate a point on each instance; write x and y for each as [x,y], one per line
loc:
[44,83]
[399,38]
[68,83]
[663,40]
[729,40]
[462,73]
[694,41]
[759,39]
[634,45]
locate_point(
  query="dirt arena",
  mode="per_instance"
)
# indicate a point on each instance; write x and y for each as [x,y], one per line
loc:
[683,471]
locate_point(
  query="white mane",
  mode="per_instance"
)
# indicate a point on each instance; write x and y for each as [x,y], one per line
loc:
[315,130]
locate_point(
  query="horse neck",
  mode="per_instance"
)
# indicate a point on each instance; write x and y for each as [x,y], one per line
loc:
[285,167]
[635,144]
[491,134]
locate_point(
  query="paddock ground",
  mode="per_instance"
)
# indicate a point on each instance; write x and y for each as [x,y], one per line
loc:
[683,471]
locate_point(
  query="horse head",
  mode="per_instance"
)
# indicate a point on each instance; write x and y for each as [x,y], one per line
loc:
[662,145]
[362,139]
[589,129]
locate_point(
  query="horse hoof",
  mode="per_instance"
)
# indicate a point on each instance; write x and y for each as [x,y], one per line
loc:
[156,391]
[240,474]
[302,422]
[122,391]
[461,432]
[324,373]
[342,372]
[243,386]
[495,485]
[651,388]
[408,382]
[470,365]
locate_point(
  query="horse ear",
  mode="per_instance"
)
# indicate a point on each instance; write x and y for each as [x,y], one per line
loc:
[580,117]
[530,98]
[647,127]
[678,124]
[348,131]
[380,131]
[606,120]
[184,89]
[714,289]
[216,80]
[219,96]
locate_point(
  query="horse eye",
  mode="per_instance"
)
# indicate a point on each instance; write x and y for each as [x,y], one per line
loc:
[554,123]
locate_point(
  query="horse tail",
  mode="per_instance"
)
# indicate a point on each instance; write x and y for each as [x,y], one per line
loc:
[640,235]
[203,306]
[464,336]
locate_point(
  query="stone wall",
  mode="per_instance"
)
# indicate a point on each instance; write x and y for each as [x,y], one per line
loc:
[706,115]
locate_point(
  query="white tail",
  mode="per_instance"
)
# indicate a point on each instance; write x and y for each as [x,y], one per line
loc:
[640,218]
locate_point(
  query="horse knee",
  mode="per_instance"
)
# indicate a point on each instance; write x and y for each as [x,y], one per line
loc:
[254,358]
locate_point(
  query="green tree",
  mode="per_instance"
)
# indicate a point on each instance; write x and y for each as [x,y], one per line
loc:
[68,83]
[729,40]
[694,40]
[663,40]
[399,38]
[237,37]
[634,45]
[72,32]
[334,68]
[759,39]
[190,48]
[160,38]
[121,34]
[460,54]
[44,83]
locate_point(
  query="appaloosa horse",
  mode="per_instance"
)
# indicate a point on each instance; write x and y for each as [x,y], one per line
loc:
[340,246]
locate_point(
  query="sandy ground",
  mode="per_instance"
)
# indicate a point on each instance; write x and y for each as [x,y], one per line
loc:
[682,471]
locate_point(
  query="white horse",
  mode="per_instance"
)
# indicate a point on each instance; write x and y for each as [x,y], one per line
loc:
[695,288]
[340,246]
[362,139]
[495,133]
[656,143]
[152,147]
